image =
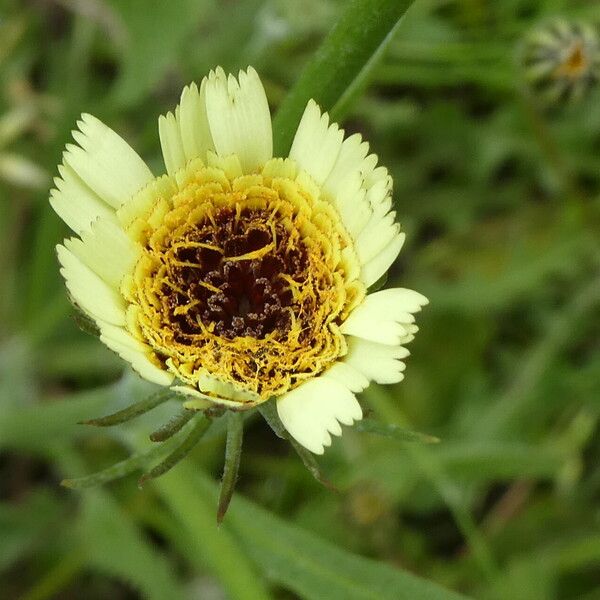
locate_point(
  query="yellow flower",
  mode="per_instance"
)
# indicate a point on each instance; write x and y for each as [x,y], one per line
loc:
[237,277]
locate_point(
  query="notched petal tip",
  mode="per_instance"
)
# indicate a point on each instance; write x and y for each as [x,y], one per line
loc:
[314,411]
[239,118]
[317,143]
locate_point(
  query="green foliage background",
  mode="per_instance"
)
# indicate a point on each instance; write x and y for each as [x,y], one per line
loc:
[501,203]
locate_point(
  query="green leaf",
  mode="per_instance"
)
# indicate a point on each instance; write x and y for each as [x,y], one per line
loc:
[361,32]
[314,568]
[38,427]
[233,455]
[117,471]
[302,562]
[464,463]
[113,544]
[394,431]
[207,544]
[25,524]
[269,412]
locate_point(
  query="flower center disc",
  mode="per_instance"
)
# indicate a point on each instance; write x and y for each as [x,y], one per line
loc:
[244,279]
[576,62]
[234,274]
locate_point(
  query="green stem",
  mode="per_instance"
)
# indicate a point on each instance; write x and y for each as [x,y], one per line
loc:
[548,146]
[344,56]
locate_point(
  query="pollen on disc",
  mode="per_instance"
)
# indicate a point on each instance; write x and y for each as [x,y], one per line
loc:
[245,280]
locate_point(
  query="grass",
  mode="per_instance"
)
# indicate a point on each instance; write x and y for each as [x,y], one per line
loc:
[500,200]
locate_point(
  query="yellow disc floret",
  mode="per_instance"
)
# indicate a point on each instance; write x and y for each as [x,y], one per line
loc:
[243,279]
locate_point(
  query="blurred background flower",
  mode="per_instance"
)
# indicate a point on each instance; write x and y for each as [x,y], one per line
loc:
[562,60]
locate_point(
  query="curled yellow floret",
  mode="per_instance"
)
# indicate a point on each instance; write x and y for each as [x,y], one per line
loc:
[243,278]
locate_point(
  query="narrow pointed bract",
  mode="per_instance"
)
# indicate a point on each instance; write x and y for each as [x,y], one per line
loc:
[135,462]
[199,427]
[135,410]
[233,455]
[170,428]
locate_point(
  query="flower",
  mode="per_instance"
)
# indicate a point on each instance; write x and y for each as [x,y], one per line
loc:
[562,60]
[237,277]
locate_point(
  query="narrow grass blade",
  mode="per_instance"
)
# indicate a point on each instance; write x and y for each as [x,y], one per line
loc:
[114,544]
[394,431]
[205,545]
[304,564]
[233,455]
[28,428]
[174,425]
[199,427]
[269,411]
[359,34]
[135,410]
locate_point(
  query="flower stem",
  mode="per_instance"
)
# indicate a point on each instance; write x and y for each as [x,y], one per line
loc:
[362,30]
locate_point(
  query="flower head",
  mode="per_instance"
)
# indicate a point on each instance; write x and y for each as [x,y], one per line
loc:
[562,60]
[237,276]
